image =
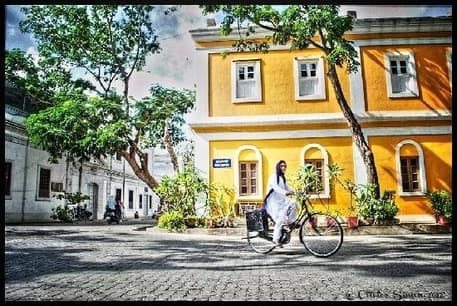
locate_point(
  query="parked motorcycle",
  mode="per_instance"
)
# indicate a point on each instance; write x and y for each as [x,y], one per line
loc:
[111,215]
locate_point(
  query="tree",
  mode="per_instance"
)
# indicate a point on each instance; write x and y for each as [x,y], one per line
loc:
[109,42]
[301,26]
[42,83]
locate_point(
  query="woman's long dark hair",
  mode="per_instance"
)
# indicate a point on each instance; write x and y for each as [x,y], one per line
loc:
[279,172]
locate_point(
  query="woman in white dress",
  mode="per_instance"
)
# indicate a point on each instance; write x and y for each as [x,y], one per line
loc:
[277,203]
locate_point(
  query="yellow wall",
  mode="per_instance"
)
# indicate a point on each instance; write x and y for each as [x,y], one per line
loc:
[432,78]
[278,86]
[438,163]
[339,151]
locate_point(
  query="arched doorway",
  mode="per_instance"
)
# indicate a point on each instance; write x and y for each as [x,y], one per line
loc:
[93,200]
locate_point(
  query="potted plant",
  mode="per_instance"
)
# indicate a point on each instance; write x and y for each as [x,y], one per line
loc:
[441,202]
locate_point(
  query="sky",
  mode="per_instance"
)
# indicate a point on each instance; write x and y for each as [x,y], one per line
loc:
[174,66]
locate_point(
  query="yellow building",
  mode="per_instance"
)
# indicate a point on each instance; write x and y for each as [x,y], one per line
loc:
[254,109]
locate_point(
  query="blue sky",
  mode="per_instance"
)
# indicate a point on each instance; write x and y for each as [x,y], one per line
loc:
[174,65]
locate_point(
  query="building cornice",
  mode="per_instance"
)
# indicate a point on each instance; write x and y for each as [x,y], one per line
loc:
[361,26]
[326,118]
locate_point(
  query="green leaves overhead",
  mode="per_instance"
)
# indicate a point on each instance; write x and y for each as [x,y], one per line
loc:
[300,25]
[79,129]
[163,105]
[108,41]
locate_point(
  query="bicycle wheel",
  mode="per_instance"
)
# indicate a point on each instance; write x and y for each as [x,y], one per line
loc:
[260,241]
[321,234]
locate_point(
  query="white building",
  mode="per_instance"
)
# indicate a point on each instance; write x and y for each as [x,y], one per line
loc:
[32,182]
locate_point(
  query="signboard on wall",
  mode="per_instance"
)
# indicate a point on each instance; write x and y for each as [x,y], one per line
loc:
[222,163]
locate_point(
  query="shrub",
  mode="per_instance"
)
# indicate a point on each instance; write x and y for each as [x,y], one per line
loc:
[172,221]
[222,204]
[368,206]
[441,202]
[180,193]
[62,213]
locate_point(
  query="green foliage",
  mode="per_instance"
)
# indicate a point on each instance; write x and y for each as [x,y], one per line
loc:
[62,213]
[108,41]
[180,193]
[44,84]
[161,106]
[306,180]
[80,128]
[296,24]
[73,198]
[172,221]
[368,206]
[441,202]
[221,201]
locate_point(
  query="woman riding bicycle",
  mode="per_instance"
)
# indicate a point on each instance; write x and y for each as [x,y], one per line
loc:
[278,205]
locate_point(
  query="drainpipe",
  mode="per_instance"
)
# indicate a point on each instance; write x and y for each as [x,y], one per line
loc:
[123,180]
[24,187]
[80,176]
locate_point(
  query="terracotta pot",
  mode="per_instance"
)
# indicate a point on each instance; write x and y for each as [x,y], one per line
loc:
[441,220]
[352,221]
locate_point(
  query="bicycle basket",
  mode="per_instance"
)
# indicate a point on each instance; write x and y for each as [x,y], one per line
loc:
[254,220]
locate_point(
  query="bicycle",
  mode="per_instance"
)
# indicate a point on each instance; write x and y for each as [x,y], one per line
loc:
[320,233]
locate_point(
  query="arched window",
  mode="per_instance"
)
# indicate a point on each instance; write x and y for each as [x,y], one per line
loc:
[248,178]
[410,164]
[316,155]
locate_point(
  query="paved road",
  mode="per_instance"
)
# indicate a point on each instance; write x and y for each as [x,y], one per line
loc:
[116,262]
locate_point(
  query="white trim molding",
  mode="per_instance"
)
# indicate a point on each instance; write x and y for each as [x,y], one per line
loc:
[411,90]
[326,191]
[422,176]
[293,134]
[236,174]
[356,87]
[320,88]
[257,79]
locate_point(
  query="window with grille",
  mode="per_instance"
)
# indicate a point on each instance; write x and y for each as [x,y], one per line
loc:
[246,81]
[248,178]
[401,75]
[44,184]
[309,79]
[131,199]
[8,166]
[140,203]
[56,187]
[410,173]
[318,166]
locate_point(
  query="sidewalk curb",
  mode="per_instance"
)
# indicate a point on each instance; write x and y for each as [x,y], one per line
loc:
[399,229]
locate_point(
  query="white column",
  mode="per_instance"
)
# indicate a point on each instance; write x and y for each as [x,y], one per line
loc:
[356,88]
[360,172]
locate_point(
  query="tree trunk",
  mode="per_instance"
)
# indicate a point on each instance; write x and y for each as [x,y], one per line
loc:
[80,176]
[142,173]
[356,130]
[169,147]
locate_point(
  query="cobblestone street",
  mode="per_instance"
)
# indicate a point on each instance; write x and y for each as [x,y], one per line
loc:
[84,263]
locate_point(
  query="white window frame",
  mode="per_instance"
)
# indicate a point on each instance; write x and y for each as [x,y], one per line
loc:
[257,97]
[325,194]
[9,196]
[320,93]
[412,87]
[449,66]
[422,176]
[236,177]
[38,184]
